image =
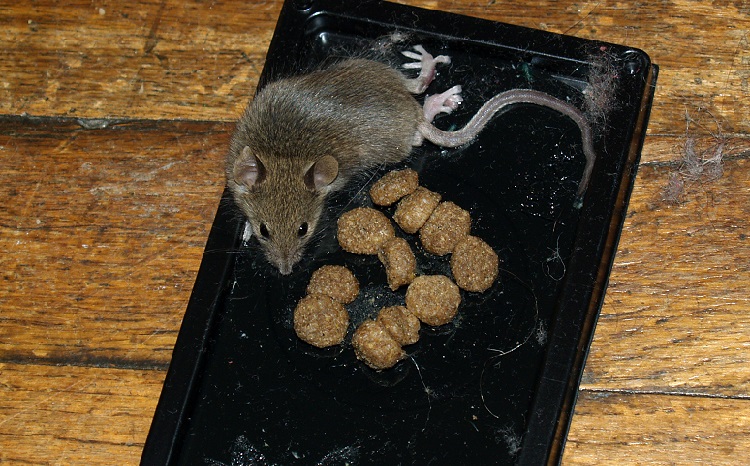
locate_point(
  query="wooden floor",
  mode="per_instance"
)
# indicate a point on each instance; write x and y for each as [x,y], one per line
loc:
[116,120]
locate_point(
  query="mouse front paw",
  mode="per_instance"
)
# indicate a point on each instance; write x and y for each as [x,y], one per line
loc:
[426,64]
[444,102]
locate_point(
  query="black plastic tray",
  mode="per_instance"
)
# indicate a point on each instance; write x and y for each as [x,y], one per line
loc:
[499,384]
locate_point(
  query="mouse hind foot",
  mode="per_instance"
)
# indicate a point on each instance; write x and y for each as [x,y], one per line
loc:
[445,102]
[426,64]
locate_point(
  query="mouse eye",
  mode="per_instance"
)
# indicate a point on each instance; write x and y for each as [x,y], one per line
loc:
[302,230]
[264,231]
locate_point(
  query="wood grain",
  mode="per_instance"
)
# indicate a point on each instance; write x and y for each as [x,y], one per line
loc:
[146,59]
[104,231]
[676,321]
[117,117]
[658,430]
[75,415]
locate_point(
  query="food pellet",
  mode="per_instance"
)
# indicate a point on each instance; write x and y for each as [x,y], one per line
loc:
[363,230]
[413,210]
[320,321]
[400,323]
[399,261]
[474,264]
[448,224]
[434,299]
[335,281]
[393,186]
[375,347]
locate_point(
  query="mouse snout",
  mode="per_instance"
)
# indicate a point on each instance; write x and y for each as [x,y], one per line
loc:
[285,260]
[285,267]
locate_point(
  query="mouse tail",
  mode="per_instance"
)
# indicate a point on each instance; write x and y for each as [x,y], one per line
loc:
[515,96]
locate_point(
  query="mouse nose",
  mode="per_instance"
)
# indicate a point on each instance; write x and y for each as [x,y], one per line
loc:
[285,267]
[286,263]
[286,258]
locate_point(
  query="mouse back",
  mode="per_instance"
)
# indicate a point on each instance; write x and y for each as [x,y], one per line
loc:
[357,111]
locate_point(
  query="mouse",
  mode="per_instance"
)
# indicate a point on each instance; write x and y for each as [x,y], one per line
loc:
[303,137]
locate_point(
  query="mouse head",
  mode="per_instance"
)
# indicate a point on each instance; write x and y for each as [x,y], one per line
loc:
[283,200]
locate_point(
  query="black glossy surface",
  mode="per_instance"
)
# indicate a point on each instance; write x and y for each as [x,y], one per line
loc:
[498,384]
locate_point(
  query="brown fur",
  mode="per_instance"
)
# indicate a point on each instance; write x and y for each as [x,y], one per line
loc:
[359,111]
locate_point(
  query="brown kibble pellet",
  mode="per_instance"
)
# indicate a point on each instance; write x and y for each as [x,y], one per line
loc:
[320,321]
[401,324]
[474,264]
[399,261]
[393,186]
[413,210]
[363,230]
[335,281]
[434,299]
[374,345]
[447,225]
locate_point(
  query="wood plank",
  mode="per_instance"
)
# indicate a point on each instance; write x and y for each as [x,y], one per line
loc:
[147,59]
[614,428]
[194,62]
[103,232]
[674,317]
[75,415]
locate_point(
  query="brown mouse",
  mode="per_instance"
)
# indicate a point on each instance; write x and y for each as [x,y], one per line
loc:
[306,136]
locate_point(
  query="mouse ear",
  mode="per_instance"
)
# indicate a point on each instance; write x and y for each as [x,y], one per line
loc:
[249,170]
[322,173]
